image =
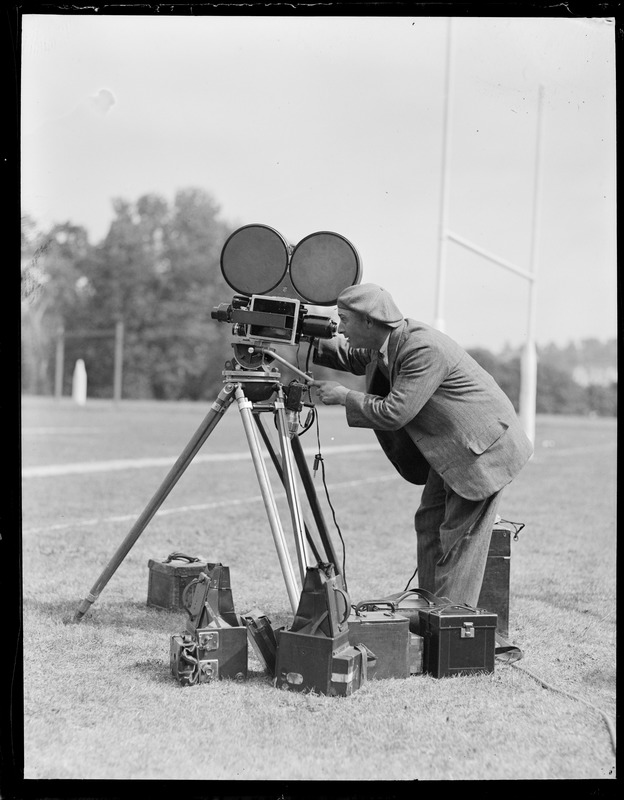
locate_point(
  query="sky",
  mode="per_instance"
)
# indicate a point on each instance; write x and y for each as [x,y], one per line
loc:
[337,123]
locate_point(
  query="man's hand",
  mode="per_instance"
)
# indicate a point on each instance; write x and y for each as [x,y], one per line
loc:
[331,393]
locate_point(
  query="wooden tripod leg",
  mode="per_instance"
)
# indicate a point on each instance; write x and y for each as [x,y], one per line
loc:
[218,408]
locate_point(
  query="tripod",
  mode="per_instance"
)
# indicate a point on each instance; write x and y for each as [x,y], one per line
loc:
[255,390]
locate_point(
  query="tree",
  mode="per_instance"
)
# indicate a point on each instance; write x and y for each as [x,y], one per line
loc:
[158,270]
[52,292]
[602,400]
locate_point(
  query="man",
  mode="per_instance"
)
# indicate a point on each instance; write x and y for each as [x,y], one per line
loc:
[443,422]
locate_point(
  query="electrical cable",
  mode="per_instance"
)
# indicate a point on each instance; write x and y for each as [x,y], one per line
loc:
[411,579]
[308,354]
[608,721]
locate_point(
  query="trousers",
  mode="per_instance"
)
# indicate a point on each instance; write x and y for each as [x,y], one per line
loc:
[453,540]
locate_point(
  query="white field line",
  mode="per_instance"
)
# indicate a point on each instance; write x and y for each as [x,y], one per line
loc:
[565,451]
[142,463]
[80,523]
[32,431]
[79,468]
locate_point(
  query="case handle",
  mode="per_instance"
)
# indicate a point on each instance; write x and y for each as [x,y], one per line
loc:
[347,601]
[181,557]
[372,605]
[432,599]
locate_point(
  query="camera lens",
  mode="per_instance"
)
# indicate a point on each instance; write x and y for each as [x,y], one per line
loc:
[254,259]
[318,327]
[221,312]
[322,265]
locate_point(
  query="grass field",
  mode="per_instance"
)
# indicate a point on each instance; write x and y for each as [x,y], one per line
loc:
[100,703]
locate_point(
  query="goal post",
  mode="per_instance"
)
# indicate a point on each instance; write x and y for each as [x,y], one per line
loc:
[528,361]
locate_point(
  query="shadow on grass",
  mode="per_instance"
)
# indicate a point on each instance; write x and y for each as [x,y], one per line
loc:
[120,613]
[156,671]
[592,606]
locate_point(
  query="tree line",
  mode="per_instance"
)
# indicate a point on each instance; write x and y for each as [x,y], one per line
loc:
[158,270]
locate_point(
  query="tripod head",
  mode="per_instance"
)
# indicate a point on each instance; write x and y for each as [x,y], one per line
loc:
[253,366]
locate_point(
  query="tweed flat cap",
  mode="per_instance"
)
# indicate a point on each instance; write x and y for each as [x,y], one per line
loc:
[372,301]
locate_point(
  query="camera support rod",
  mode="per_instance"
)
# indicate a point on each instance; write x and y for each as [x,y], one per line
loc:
[245,406]
[268,352]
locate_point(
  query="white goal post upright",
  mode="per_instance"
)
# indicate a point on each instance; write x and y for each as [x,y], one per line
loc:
[528,369]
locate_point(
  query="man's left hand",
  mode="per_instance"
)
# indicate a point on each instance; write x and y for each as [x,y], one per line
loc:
[331,393]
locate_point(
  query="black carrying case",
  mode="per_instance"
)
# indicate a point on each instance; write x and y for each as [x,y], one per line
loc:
[214,645]
[496,578]
[457,640]
[209,654]
[315,654]
[322,664]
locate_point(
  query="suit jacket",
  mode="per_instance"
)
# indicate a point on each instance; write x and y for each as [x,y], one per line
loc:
[439,408]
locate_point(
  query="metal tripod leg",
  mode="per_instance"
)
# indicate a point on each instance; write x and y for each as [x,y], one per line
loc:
[280,473]
[290,484]
[218,408]
[245,407]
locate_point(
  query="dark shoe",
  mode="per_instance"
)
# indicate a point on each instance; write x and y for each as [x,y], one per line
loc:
[506,652]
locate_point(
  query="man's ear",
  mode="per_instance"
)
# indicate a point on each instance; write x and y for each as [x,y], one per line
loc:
[369,322]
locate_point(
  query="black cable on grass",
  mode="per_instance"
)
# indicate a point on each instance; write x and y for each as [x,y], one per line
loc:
[608,721]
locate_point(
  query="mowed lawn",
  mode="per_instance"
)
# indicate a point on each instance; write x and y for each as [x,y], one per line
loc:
[100,703]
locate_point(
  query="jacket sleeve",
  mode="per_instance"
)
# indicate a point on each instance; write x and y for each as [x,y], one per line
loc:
[336,354]
[419,373]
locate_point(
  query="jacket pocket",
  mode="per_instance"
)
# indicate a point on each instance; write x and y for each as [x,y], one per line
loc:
[486,437]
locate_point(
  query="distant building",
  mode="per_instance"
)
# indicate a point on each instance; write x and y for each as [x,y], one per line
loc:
[595,375]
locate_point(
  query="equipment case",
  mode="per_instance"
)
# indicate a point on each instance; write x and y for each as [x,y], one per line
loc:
[169,578]
[209,654]
[415,654]
[457,640]
[495,589]
[323,664]
[385,634]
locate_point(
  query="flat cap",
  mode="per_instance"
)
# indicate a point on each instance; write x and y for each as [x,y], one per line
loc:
[372,301]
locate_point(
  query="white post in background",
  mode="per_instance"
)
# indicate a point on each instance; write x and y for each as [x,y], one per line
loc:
[528,361]
[444,198]
[59,363]
[118,368]
[79,383]
[528,375]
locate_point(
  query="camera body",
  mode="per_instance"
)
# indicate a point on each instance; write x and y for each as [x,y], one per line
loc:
[262,318]
[274,281]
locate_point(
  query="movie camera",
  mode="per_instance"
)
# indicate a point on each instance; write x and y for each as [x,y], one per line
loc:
[274,281]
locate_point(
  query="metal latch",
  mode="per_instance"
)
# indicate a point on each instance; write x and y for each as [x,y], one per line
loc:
[208,640]
[208,670]
[467,630]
